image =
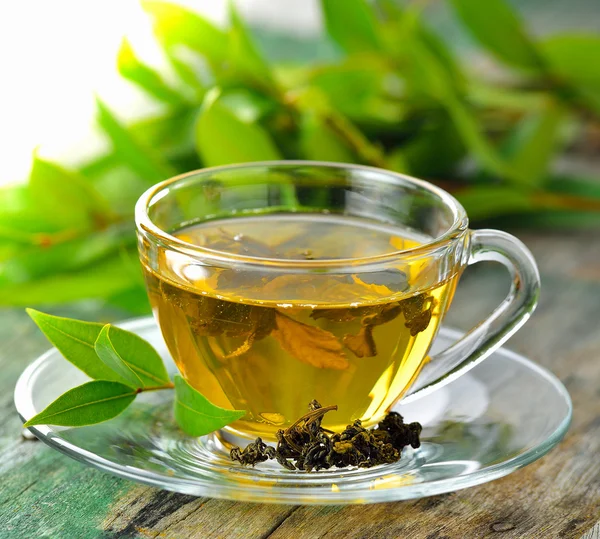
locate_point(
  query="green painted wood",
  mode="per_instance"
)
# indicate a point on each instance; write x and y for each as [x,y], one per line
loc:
[45,494]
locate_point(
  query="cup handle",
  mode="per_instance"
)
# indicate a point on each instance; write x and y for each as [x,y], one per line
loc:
[505,320]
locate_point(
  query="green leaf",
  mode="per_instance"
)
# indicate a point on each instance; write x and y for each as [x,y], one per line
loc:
[66,198]
[351,24]
[532,145]
[20,217]
[436,81]
[172,134]
[574,57]
[175,25]
[106,352]
[145,77]
[319,143]
[131,356]
[148,164]
[34,263]
[496,26]
[244,56]
[486,201]
[75,340]
[196,415]
[102,280]
[223,138]
[87,404]
[134,300]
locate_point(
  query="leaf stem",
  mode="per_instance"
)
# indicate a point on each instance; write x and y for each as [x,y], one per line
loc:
[170,385]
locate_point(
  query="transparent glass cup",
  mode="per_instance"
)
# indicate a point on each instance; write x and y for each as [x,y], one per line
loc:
[265,334]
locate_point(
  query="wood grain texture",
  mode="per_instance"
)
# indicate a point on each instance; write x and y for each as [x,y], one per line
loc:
[44,494]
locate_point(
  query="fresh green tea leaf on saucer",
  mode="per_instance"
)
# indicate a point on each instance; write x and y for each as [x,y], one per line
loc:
[111,358]
[133,358]
[87,404]
[75,341]
[196,415]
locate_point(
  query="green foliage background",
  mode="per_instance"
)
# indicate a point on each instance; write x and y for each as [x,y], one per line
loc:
[392,95]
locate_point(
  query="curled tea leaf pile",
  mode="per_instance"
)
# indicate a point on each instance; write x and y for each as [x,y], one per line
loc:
[307,446]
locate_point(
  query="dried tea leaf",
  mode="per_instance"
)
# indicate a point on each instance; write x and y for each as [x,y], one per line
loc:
[309,344]
[417,319]
[393,279]
[305,445]
[212,317]
[386,313]
[362,344]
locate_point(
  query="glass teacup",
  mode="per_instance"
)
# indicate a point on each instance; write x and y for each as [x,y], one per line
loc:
[277,283]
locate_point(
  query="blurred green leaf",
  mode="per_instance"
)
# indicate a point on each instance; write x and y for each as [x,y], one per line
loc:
[437,137]
[75,340]
[87,404]
[496,26]
[435,80]
[574,185]
[575,59]
[148,164]
[102,280]
[171,134]
[133,358]
[133,300]
[20,217]
[351,24]
[244,57]
[359,88]
[532,144]
[145,77]
[175,25]
[65,197]
[223,138]
[486,201]
[33,263]
[319,143]
[196,415]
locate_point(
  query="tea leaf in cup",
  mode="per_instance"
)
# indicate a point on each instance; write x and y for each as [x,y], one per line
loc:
[131,357]
[309,344]
[196,415]
[362,344]
[87,404]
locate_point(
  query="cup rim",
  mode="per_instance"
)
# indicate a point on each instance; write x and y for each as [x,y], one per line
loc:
[145,225]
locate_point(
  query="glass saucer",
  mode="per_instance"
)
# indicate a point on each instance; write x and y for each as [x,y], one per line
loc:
[504,414]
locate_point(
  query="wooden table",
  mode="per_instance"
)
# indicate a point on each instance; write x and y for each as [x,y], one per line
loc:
[46,494]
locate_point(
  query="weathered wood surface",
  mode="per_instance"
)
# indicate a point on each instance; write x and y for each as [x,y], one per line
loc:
[45,494]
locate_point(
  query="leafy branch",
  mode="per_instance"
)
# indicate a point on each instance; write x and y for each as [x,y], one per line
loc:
[388,92]
[122,365]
